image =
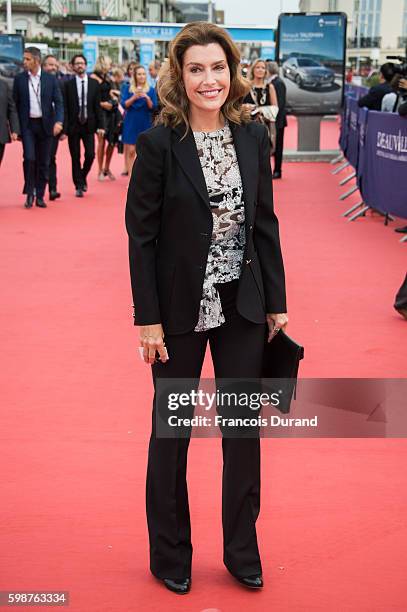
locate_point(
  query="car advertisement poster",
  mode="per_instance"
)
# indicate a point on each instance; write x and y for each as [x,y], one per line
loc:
[11,54]
[311,54]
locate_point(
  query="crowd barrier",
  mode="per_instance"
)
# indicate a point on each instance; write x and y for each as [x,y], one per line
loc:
[375,145]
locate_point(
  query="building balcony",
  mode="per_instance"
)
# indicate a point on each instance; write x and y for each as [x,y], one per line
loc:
[26,6]
[365,42]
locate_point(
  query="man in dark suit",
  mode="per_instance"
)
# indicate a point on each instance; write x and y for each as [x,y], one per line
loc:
[281,120]
[41,113]
[373,99]
[51,66]
[9,124]
[83,117]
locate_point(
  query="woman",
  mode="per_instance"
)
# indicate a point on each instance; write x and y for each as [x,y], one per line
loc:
[138,99]
[261,100]
[100,74]
[113,120]
[205,266]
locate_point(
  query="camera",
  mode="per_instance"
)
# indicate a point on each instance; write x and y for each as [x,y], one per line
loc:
[400,68]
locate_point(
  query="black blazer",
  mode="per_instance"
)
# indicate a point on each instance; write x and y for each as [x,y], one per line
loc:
[51,101]
[71,103]
[169,223]
[281,92]
[8,113]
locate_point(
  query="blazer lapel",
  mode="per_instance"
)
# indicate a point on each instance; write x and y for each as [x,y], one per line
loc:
[247,157]
[26,87]
[187,156]
[42,87]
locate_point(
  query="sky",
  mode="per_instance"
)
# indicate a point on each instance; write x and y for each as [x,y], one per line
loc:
[255,12]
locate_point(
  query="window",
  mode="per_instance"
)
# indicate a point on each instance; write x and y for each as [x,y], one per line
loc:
[366,22]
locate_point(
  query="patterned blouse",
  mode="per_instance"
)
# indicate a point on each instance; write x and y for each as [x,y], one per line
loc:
[218,159]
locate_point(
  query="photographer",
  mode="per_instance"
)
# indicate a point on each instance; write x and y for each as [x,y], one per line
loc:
[373,99]
[392,101]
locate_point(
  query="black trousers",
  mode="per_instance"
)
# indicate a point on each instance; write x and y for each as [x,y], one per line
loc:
[37,147]
[237,350]
[2,147]
[278,154]
[401,297]
[79,172]
[52,182]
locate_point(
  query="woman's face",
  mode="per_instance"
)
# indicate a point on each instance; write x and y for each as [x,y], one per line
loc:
[259,71]
[140,77]
[206,77]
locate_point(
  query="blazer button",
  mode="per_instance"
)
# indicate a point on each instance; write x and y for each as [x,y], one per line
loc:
[250,227]
[248,261]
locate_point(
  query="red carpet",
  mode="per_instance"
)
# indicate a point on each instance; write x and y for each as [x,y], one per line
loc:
[76,414]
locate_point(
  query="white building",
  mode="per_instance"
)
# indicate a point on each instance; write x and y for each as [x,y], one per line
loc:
[376,28]
[50,18]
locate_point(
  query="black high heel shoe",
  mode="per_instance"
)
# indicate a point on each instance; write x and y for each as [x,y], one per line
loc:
[253,582]
[181,587]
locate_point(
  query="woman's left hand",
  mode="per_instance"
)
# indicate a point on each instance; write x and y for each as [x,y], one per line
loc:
[276,322]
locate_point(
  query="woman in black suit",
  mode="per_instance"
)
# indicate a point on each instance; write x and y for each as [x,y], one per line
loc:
[205,266]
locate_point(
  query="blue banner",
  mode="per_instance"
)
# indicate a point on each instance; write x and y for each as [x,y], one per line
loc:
[361,168]
[90,51]
[352,149]
[385,163]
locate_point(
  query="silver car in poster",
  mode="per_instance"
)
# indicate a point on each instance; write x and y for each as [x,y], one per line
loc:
[306,72]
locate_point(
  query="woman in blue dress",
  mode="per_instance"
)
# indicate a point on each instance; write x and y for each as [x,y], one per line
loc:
[138,99]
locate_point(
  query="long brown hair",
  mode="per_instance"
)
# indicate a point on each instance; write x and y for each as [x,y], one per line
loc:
[170,87]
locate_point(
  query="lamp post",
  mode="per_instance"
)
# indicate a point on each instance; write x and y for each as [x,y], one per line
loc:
[64,16]
[210,11]
[9,20]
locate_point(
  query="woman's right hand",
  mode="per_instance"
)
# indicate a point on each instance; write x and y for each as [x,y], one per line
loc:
[152,341]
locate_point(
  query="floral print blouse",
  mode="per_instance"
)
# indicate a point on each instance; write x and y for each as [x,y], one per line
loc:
[220,167]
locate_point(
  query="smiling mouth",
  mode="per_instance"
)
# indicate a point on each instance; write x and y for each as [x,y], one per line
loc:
[210,93]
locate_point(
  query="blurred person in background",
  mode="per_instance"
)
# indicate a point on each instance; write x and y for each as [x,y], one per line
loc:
[392,101]
[153,70]
[40,108]
[83,118]
[129,71]
[9,123]
[373,99]
[261,101]
[50,65]
[113,120]
[101,75]
[138,99]
[281,120]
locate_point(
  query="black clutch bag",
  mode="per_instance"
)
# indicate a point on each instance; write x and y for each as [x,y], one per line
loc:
[281,361]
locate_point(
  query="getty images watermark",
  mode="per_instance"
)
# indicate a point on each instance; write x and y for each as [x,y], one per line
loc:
[338,407]
[209,401]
